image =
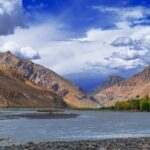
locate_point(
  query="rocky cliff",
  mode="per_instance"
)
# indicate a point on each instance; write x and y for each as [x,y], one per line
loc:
[14,92]
[138,85]
[34,75]
[111,80]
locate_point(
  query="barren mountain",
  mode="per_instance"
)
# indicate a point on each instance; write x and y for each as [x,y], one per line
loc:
[138,85]
[106,84]
[31,81]
[14,92]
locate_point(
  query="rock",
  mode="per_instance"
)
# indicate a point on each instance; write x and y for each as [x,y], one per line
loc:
[139,85]
[108,144]
[39,77]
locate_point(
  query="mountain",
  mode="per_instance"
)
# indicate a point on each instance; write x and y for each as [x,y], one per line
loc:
[136,86]
[111,80]
[14,92]
[26,80]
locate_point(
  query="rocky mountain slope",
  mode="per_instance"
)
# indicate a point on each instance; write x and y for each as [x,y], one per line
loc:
[14,92]
[106,84]
[138,85]
[29,75]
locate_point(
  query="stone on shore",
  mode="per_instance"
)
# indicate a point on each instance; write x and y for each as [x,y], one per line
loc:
[107,144]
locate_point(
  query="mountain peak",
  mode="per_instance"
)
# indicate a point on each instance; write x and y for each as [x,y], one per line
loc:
[8,52]
[44,78]
[139,85]
[114,79]
[110,81]
[146,73]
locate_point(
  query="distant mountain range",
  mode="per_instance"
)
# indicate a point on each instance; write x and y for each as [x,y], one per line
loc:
[106,84]
[136,86]
[26,84]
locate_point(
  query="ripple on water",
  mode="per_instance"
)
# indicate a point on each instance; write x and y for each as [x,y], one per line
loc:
[89,125]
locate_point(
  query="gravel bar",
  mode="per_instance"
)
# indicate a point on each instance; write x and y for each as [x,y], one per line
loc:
[107,144]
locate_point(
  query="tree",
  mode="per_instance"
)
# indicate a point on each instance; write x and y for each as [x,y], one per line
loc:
[145,105]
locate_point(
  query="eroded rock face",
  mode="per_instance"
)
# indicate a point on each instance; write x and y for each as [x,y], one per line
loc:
[45,78]
[112,80]
[139,85]
[14,92]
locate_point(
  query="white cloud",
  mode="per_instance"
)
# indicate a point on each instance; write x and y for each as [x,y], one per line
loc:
[126,16]
[88,53]
[143,42]
[133,55]
[131,51]
[129,54]
[11,16]
[10,46]
[23,52]
[146,39]
[123,64]
[9,6]
[127,59]
[122,41]
[137,12]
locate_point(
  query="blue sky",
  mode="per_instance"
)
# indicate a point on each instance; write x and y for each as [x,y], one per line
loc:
[83,40]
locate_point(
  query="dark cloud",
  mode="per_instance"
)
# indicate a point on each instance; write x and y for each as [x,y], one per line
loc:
[11,16]
[122,41]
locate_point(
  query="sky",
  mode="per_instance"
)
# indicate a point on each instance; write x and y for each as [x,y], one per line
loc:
[83,40]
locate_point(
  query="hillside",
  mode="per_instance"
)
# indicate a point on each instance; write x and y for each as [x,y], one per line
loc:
[15,93]
[111,80]
[136,86]
[31,75]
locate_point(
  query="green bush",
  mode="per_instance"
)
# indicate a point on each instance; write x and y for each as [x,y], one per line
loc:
[145,104]
[134,104]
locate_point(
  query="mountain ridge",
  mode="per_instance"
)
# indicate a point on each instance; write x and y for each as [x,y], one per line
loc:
[60,91]
[137,85]
[15,93]
[73,95]
[110,81]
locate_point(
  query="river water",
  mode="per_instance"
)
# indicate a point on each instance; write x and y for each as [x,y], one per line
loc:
[88,125]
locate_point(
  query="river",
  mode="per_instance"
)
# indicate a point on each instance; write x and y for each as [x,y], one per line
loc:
[88,125]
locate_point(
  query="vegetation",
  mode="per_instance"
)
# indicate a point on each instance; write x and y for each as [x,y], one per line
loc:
[134,104]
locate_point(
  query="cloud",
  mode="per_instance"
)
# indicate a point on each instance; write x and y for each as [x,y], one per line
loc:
[129,54]
[134,54]
[50,40]
[84,54]
[127,49]
[129,42]
[146,40]
[65,54]
[137,12]
[11,16]
[122,41]
[7,6]
[22,52]
[127,60]
[126,15]
[123,64]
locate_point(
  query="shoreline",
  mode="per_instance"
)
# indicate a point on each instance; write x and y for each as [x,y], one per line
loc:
[40,116]
[139,143]
[66,109]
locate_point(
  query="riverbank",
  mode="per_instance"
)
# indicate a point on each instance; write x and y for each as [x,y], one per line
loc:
[107,144]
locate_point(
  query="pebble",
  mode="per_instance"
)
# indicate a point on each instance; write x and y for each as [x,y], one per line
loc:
[107,144]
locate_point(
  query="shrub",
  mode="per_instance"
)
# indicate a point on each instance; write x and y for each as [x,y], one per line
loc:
[134,104]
